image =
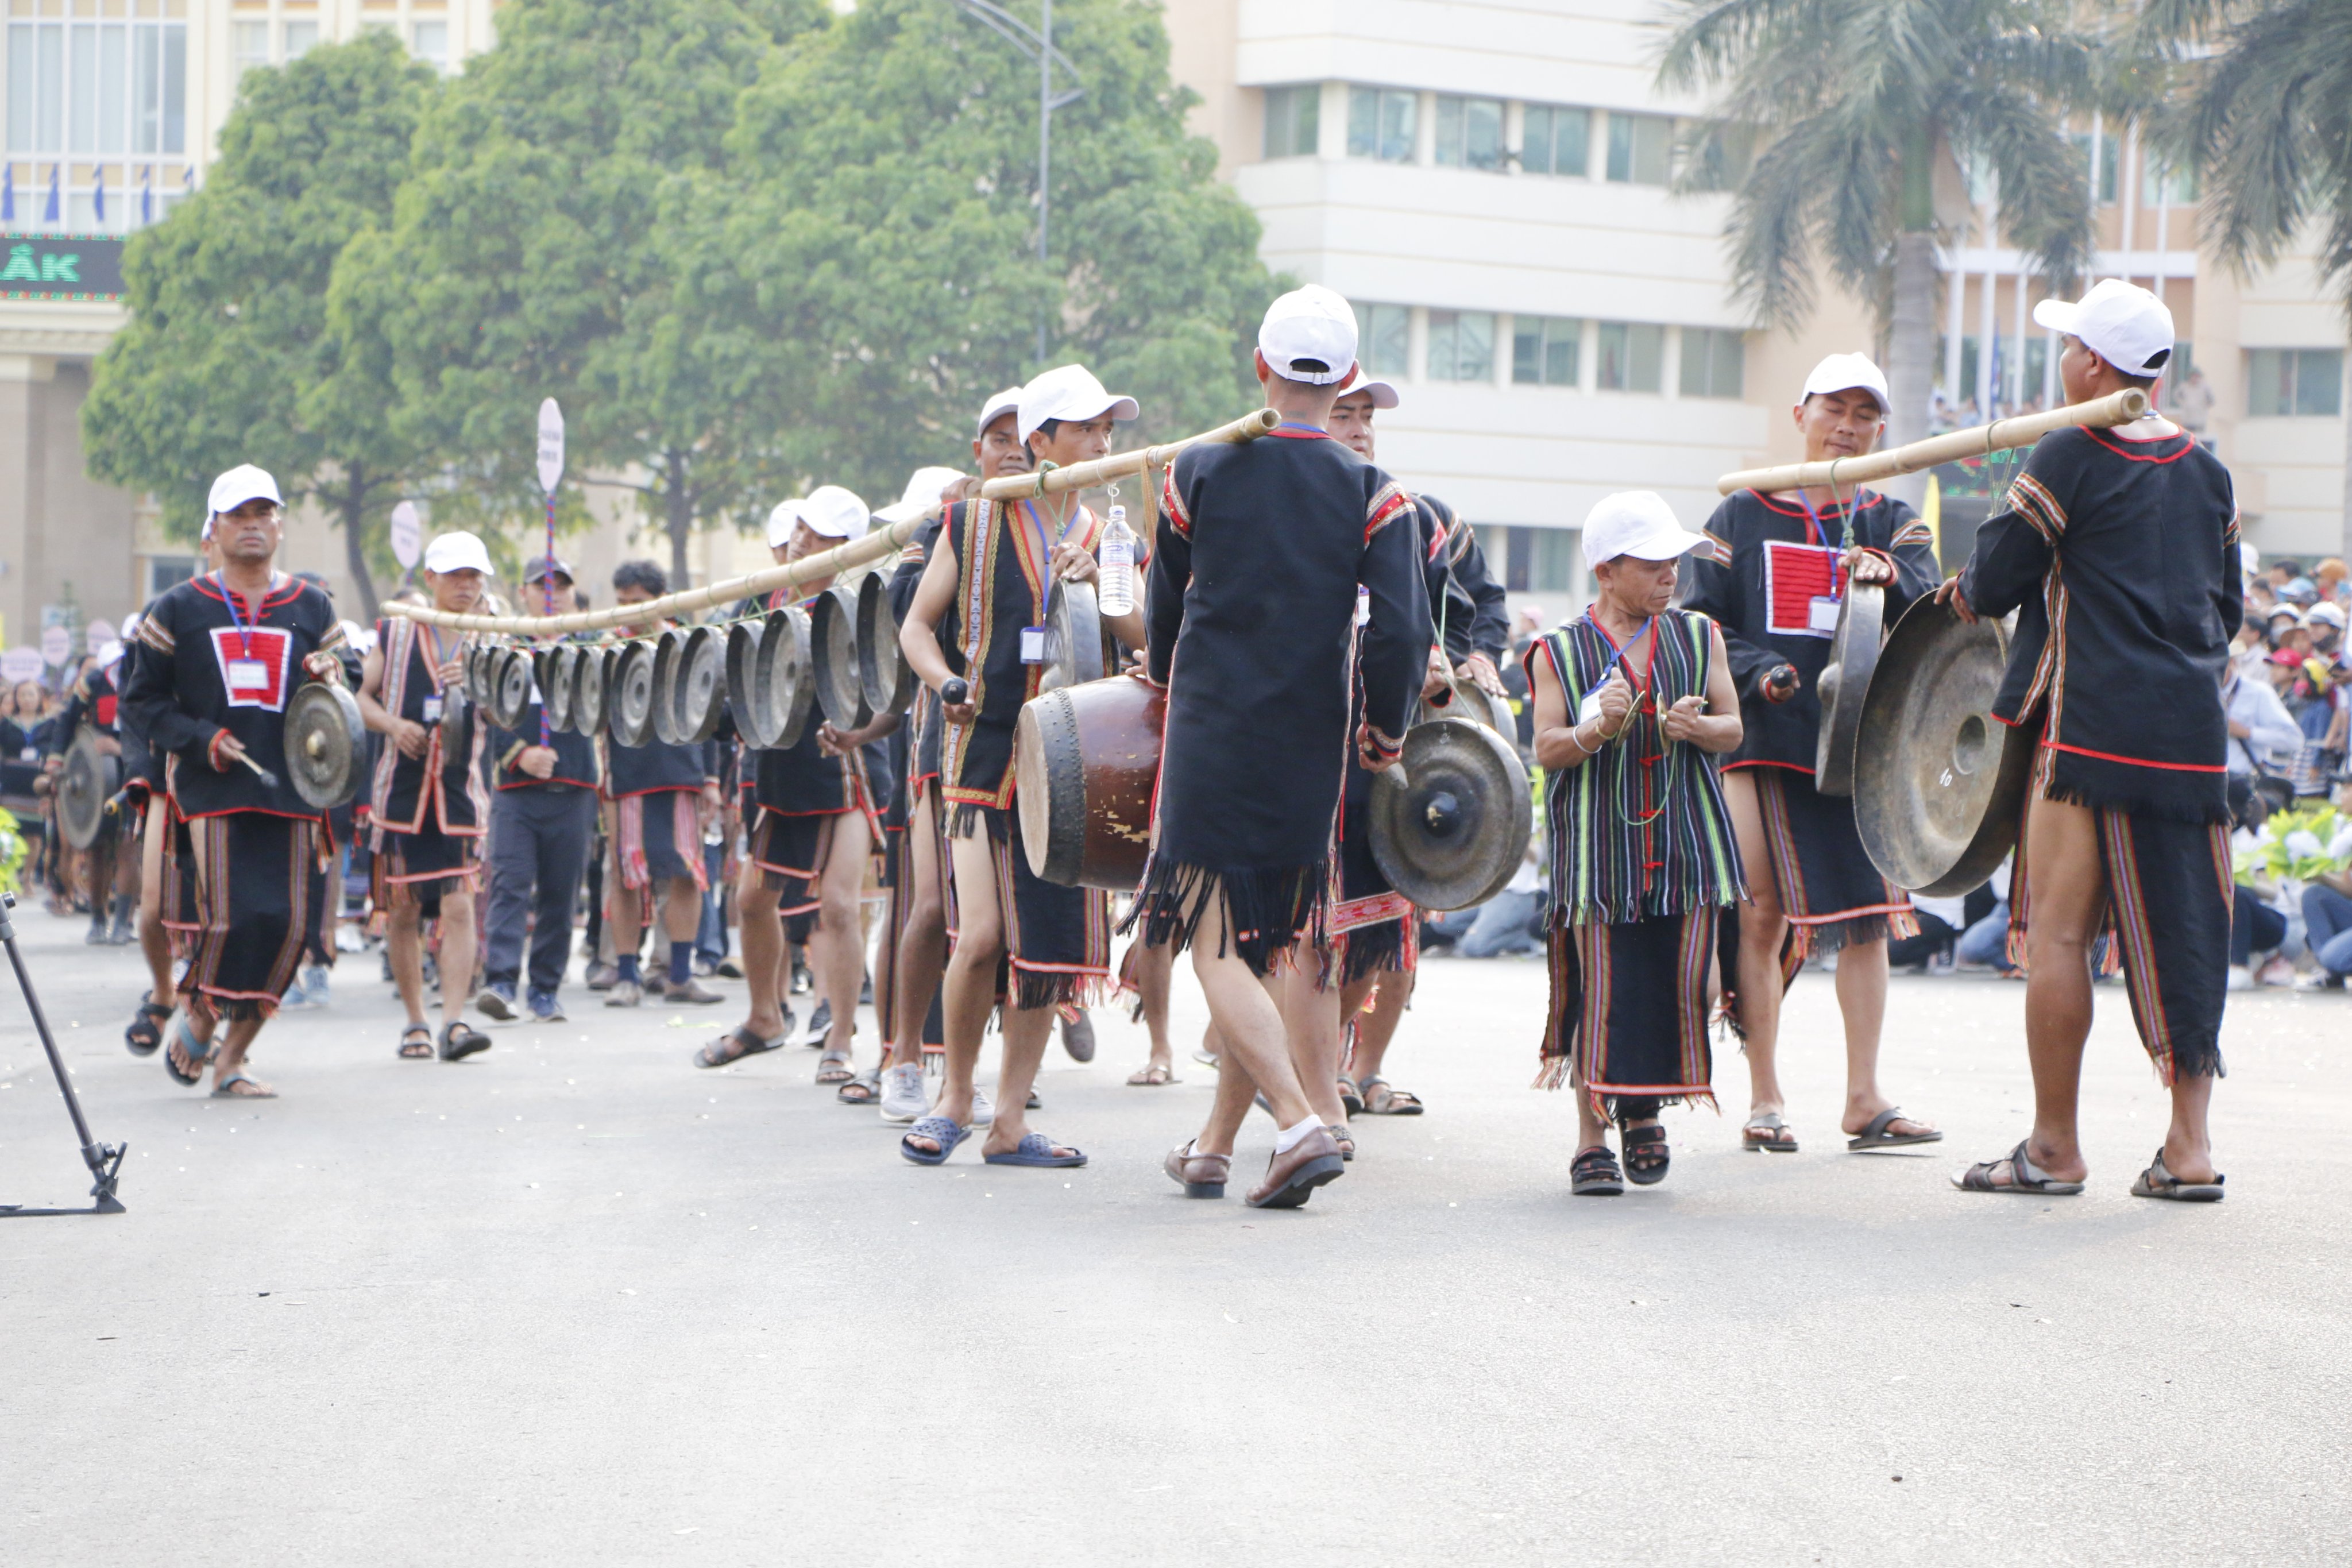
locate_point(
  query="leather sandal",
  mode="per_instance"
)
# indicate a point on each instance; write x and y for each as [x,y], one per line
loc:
[1200,1175]
[1291,1179]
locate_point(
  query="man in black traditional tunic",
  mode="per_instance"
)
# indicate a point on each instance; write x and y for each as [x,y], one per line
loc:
[428,808]
[221,654]
[978,619]
[1776,586]
[110,869]
[1281,586]
[2118,551]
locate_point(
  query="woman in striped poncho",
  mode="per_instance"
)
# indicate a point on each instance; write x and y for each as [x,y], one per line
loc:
[1634,700]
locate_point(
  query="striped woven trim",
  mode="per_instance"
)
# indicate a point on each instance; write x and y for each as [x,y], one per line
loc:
[2032,499]
[1172,500]
[1916,531]
[1390,500]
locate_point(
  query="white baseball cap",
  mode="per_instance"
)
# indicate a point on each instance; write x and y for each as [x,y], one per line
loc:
[234,489]
[1637,524]
[1384,394]
[2328,614]
[835,514]
[110,654]
[1069,392]
[1313,325]
[781,519]
[1847,372]
[2121,323]
[1005,402]
[455,553]
[922,494]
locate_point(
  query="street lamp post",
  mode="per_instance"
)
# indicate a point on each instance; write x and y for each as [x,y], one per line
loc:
[1037,45]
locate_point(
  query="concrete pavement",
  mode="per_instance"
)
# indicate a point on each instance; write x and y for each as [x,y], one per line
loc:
[576,1301]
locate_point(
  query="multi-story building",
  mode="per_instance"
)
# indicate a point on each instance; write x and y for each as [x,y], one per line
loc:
[1489,179]
[110,111]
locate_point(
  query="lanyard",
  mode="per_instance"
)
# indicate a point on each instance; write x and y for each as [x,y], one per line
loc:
[1619,652]
[236,615]
[1036,514]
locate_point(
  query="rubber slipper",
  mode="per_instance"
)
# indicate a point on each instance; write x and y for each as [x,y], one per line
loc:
[1594,1174]
[1647,1155]
[863,1090]
[2024,1176]
[1036,1149]
[197,1051]
[2156,1182]
[1152,1076]
[417,1043]
[945,1131]
[1351,1098]
[752,1044]
[1395,1102]
[226,1089]
[459,1041]
[1770,1126]
[834,1068]
[145,1036]
[1876,1136]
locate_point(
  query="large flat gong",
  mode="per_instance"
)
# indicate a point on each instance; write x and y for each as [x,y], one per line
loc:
[699,687]
[783,677]
[88,782]
[742,684]
[591,691]
[833,649]
[1450,826]
[670,661]
[890,680]
[511,689]
[629,695]
[1073,638]
[1939,783]
[558,684]
[326,745]
[1853,654]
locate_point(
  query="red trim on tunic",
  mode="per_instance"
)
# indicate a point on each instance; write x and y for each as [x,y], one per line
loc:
[2139,762]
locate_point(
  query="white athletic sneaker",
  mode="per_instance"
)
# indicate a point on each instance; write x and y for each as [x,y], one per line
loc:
[984,1109]
[903,1095]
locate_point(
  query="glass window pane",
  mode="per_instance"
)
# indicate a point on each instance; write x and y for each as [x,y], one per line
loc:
[1571,135]
[1383,336]
[2262,383]
[1535,139]
[49,127]
[1442,328]
[1612,347]
[1474,348]
[1653,150]
[432,40]
[302,37]
[1621,147]
[249,44]
[1482,133]
[1562,341]
[2319,382]
[147,89]
[1645,356]
[1363,121]
[1528,350]
[113,89]
[1450,115]
[82,55]
[1398,113]
[175,88]
[23,90]
[1554,567]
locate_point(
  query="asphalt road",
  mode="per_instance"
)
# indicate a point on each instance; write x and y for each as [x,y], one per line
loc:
[573,1300]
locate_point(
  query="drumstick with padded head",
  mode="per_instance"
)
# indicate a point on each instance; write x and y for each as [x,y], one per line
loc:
[264,775]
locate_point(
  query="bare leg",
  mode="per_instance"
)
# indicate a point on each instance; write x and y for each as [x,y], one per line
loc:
[1236,1094]
[1246,1016]
[154,941]
[762,933]
[1027,1032]
[1862,999]
[1154,968]
[1762,928]
[1377,1026]
[235,1040]
[456,954]
[1591,1131]
[837,949]
[2069,892]
[971,985]
[1311,1019]
[627,921]
[2188,1145]
[923,944]
[405,946]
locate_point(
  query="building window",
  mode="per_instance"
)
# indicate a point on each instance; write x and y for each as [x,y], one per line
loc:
[1384,339]
[1461,345]
[1641,149]
[1292,116]
[1554,140]
[250,42]
[1713,362]
[431,40]
[165,573]
[2163,187]
[2109,158]
[1534,560]
[302,37]
[1632,354]
[1545,350]
[2295,382]
[1380,123]
[1469,133]
[97,86]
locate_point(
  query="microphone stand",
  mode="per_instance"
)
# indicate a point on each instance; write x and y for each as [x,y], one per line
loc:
[104,1160]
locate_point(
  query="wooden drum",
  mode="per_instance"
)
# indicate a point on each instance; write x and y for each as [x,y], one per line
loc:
[1085,760]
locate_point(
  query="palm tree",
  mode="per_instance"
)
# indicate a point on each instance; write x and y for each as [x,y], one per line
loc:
[1852,105]
[2265,113]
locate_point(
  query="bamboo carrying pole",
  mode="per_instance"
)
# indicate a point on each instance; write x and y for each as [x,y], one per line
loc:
[2100,413]
[1085,475]
[841,558]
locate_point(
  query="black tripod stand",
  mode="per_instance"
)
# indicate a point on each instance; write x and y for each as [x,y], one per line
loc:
[104,1160]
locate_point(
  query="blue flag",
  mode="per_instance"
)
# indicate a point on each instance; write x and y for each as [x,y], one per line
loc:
[49,209]
[7,193]
[147,197]
[98,194]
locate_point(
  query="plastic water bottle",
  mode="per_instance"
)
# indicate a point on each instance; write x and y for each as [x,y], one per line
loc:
[1116,564]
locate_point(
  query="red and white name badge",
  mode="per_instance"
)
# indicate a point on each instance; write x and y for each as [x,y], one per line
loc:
[253,666]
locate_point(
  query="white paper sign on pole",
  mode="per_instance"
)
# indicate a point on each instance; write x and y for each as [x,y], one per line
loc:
[407,535]
[97,634]
[19,665]
[56,645]
[551,446]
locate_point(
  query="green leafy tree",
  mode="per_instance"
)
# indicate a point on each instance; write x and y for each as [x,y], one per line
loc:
[1853,104]
[538,249]
[2264,109]
[869,271]
[229,345]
